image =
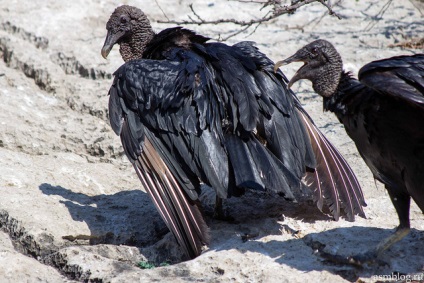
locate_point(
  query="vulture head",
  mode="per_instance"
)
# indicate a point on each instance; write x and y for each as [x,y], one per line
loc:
[129,27]
[323,66]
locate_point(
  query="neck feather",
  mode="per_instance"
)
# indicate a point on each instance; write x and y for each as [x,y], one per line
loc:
[346,87]
[134,46]
[326,84]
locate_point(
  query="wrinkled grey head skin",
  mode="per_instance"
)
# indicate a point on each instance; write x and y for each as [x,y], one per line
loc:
[129,27]
[323,66]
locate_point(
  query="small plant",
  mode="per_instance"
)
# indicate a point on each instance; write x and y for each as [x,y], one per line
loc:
[164,264]
[151,265]
[146,265]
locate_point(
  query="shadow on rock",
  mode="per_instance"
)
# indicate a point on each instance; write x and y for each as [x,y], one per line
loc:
[127,217]
[130,218]
[260,205]
[405,257]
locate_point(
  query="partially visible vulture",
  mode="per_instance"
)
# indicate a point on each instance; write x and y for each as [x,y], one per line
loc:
[190,112]
[383,113]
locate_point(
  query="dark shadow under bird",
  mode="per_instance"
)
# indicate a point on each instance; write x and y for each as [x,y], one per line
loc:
[383,113]
[189,111]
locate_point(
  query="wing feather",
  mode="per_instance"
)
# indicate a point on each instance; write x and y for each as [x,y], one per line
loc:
[181,214]
[333,180]
[401,77]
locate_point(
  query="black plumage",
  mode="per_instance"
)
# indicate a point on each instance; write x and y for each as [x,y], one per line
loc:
[383,113]
[191,112]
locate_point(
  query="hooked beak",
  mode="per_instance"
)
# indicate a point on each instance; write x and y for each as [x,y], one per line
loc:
[110,41]
[299,56]
[279,64]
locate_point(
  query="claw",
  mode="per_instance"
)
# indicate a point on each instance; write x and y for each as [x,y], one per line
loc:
[360,260]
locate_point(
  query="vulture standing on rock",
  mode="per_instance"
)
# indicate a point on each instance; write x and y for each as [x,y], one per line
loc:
[191,112]
[383,113]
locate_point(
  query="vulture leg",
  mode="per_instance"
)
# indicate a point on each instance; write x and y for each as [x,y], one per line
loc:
[401,203]
[219,212]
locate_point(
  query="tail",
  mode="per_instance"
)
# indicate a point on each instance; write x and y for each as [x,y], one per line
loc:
[181,214]
[333,180]
[255,167]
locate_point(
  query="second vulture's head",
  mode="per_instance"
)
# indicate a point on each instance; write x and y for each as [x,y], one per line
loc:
[129,27]
[322,66]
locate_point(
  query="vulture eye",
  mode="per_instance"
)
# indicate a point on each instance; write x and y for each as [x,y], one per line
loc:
[123,19]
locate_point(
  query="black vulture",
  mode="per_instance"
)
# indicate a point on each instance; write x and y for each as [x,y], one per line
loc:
[192,112]
[383,113]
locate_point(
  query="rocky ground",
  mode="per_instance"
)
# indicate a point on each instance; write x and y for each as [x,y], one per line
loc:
[71,207]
